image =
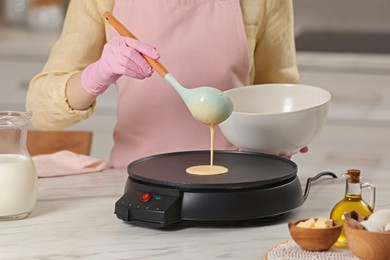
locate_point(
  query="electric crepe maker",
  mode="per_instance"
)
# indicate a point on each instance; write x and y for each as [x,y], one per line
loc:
[159,192]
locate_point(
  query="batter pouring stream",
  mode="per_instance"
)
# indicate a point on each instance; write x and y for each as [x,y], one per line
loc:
[208,169]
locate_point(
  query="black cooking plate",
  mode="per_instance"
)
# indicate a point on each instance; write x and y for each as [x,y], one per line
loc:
[246,170]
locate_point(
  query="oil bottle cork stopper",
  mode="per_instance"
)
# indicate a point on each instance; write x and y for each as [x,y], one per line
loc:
[354,175]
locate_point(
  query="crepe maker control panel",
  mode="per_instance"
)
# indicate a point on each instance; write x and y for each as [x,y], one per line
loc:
[149,206]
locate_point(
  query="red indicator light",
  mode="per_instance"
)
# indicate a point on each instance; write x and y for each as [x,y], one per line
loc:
[146,197]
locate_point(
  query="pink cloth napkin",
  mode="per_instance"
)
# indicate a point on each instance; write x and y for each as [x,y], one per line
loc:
[66,163]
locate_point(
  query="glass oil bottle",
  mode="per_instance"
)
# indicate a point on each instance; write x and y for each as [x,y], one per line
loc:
[353,200]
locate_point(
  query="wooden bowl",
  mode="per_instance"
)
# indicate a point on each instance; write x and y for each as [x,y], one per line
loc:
[314,239]
[366,244]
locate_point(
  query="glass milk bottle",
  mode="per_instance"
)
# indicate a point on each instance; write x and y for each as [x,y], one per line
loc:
[353,200]
[18,178]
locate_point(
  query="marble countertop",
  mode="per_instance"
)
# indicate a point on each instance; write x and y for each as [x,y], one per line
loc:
[74,219]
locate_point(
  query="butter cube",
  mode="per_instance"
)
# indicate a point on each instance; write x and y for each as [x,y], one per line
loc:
[307,224]
[323,223]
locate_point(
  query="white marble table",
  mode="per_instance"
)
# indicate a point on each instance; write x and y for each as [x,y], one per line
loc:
[74,219]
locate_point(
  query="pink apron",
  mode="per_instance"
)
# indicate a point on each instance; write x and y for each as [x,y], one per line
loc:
[202,43]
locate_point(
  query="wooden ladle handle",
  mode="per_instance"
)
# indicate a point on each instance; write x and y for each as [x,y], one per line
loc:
[122,30]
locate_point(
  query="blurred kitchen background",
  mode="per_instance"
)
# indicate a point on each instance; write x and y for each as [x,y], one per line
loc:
[342,46]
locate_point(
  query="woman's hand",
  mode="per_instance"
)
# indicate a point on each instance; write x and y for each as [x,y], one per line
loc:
[120,56]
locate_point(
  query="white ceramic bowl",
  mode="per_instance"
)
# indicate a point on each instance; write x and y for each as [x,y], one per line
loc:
[275,118]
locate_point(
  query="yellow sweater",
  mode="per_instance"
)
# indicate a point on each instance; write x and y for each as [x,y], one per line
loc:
[270,39]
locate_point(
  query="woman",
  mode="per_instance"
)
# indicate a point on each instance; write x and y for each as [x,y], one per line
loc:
[219,43]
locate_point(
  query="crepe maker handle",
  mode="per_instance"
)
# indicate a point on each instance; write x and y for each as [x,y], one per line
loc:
[312,179]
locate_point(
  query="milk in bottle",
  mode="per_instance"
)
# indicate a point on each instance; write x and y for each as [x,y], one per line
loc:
[18,178]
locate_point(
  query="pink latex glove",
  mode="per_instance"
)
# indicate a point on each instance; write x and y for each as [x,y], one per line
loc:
[303,150]
[121,56]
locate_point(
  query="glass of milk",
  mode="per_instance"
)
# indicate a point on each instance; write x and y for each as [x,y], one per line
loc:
[18,178]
